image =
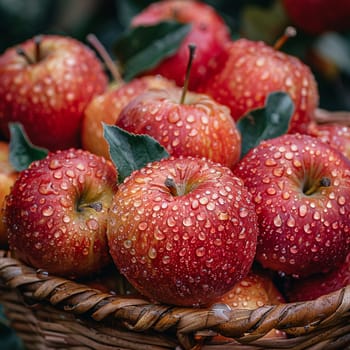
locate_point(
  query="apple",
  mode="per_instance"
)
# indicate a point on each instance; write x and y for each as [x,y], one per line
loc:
[105,108]
[56,213]
[182,230]
[8,176]
[312,287]
[255,290]
[335,135]
[197,126]
[301,190]
[209,33]
[318,16]
[46,83]
[251,71]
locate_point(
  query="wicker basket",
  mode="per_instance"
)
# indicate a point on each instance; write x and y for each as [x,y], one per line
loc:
[55,313]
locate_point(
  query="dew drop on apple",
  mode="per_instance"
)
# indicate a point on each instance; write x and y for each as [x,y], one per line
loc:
[182,252]
[127,243]
[171,222]
[142,226]
[277,221]
[47,211]
[302,210]
[243,212]
[158,235]
[341,200]
[92,224]
[293,249]
[66,219]
[291,221]
[200,251]
[152,253]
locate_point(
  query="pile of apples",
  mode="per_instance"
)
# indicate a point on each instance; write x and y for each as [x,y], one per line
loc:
[195,221]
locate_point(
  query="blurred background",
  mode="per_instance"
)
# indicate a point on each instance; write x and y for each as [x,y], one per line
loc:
[322,41]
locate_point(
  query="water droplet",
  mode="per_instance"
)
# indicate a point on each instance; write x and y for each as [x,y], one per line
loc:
[307,228]
[210,206]
[127,243]
[152,253]
[85,251]
[217,242]
[341,200]
[182,252]
[293,249]
[66,219]
[285,195]
[194,204]
[291,221]
[92,224]
[158,234]
[277,221]
[142,226]
[204,200]
[200,251]
[173,118]
[55,164]
[187,222]
[166,259]
[47,211]
[171,222]
[302,210]
[271,191]
[243,212]
[270,162]
[46,188]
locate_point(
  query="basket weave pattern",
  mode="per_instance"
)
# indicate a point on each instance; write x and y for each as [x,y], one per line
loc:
[50,313]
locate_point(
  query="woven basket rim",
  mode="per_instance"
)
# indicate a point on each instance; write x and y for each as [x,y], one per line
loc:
[297,319]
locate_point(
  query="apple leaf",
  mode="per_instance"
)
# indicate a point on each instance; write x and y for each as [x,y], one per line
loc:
[130,152]
[143,47]
[22,151]
[267,122]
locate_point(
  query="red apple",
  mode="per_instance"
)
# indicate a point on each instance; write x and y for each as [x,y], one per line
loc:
[182,230]
[312,287]
[301,189]
[8,176]
[255,290]
[318,16]
[252,71]
[106,107]
[45,84]
[198,127]
[56,213]
[209,33]
[335,135]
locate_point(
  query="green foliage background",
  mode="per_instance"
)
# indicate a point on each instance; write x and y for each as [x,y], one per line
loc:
[328,54]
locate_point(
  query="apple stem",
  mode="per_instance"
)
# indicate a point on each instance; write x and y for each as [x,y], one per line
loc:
[289,32]
[97,45]
[37,40]
[192,49]
[324,182]
[170,183]
[22,53]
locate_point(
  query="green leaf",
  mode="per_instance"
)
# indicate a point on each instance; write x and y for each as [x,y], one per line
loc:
[130,152]
[267,122]
[143,47]
[22,151]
